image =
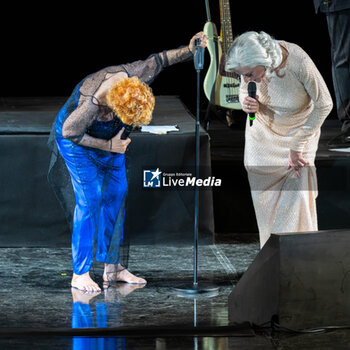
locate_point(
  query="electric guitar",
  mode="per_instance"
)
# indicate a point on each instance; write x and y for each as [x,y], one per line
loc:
[220,87]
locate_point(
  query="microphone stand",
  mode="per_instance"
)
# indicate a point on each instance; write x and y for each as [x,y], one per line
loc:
[197,288]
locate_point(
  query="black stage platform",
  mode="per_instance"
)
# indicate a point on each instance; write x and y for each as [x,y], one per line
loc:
[32,216]
[39,310]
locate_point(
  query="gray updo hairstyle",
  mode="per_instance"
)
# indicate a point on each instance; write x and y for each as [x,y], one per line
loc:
[252,49]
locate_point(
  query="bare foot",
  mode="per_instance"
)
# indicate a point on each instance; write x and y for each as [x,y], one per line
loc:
[83,296]
[85,283]
[114,273]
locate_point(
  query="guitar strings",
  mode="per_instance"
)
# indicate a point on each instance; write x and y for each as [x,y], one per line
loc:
[226,23]
[225,44]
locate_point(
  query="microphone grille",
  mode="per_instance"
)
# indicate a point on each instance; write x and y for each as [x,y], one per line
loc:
[251,88]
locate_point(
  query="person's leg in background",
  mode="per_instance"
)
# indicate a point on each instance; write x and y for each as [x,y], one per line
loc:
[339,33]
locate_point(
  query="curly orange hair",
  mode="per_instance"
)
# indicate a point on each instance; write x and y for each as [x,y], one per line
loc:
[132,101]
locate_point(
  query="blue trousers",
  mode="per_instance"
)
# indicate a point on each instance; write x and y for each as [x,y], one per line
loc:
[100,187]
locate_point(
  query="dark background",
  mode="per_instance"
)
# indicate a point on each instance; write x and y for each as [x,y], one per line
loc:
[48,49]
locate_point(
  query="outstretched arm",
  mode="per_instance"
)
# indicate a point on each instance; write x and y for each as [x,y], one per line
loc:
[148,69]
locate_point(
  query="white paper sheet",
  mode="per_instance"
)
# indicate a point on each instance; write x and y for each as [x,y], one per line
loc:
[159,129]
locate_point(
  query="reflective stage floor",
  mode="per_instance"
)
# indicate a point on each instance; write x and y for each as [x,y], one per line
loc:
[39,309]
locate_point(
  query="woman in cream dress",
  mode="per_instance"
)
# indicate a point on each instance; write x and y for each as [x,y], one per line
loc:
[292,101]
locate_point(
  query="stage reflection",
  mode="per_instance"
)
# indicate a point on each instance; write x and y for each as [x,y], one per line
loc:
[101,314]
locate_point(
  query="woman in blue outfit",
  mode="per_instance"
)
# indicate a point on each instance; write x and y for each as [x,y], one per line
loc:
[87,134]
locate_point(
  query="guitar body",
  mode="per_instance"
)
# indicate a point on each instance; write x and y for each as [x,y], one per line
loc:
[221,88]
[227,92]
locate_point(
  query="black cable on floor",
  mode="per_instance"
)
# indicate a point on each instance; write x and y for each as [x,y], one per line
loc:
[280,328]
[135,332]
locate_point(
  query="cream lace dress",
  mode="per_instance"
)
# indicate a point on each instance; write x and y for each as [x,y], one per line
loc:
[292,108]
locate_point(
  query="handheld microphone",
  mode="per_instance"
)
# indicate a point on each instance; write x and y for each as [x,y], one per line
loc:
[252,93]
[198,55]
[128,129]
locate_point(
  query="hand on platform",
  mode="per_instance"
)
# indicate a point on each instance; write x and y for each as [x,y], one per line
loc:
[296,161]
[117,145]
[200,35]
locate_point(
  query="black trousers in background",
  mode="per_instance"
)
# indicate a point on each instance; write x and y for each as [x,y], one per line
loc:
[339,33]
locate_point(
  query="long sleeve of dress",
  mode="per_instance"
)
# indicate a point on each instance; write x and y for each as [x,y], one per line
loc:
[75,126]
[148,70]
[317,89]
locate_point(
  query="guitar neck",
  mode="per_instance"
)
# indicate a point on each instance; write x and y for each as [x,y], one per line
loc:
[207,8]
[226,25]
